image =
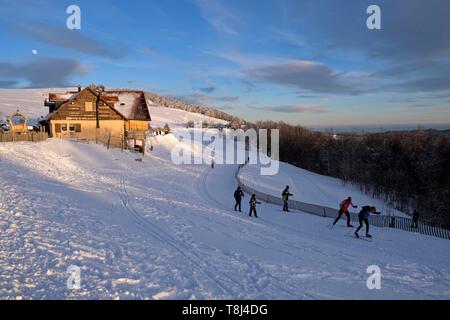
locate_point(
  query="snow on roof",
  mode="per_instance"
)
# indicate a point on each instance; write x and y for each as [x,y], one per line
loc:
[131,104]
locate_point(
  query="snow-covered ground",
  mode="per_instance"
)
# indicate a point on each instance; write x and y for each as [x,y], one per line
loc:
[177,118]
[155,230]
[29,101]
[310,187]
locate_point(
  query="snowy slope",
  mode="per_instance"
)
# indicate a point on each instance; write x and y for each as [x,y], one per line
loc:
[154,230]
[29,101]
[310,187]
[176,118]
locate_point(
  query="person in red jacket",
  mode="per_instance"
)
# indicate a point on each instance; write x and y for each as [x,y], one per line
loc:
[343,209]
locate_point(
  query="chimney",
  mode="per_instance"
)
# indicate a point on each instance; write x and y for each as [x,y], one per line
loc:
[79,88]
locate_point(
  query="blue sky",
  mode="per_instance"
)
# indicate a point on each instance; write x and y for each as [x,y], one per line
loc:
[311,62]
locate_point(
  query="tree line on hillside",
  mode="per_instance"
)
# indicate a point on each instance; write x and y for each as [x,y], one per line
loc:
[158,100]
[409,170]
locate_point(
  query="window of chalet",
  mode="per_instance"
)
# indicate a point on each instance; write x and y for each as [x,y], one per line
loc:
[64,128]
[75,127]
[88,106]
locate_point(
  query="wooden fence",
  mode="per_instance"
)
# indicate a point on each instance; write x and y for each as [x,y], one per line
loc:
[134,141]
[28,136]
[406,224]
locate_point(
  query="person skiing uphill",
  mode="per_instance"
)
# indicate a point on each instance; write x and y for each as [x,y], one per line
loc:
[364,215]
[253,202]
[343,209]
[285,195]
[238,195]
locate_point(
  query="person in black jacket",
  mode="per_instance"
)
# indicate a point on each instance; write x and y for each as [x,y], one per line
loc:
[238,195]
[285,195]
[253,202]
[364,215]
[415,219]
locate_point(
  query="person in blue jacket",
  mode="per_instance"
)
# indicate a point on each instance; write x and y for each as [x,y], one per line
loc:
[364,215]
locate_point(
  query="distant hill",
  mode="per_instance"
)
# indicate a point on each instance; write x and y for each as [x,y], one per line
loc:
[161,101]
[444,132]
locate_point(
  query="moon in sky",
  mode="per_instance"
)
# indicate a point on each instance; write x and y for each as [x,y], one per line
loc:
[34,52]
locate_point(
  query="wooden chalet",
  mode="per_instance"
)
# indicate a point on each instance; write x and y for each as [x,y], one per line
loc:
[94,113]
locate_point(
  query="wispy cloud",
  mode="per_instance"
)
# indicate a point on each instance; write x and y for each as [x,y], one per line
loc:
[41,72]
[61,37]
[298,108]
[208,90]
[290,37]
[8,83]
[243,60]
[148,50]
[199,98]
[218,16]
[310,76]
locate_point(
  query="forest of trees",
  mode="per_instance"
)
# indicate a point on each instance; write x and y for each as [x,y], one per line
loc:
[409,170]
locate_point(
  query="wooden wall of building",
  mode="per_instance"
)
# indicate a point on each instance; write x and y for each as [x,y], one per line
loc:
[76,109]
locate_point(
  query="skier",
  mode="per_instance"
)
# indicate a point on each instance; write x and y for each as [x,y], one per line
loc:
[364,215]
[212,163]
[238,195]
[253,202]
[415,219]
[343,209]
[285,195]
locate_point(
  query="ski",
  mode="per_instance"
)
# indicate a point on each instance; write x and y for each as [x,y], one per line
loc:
[360,238]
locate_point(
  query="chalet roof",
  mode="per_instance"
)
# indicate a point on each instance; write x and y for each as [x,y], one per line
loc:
[131,104]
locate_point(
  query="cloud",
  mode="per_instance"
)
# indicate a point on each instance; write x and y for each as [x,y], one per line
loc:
[208,90]
[226,98]
[411,30]
[8,83]
[423,76]
[42,72]
[426,84]
[290,37]
[62,37]
[299,108]
[198,98]
[415,31]
[310,76]
[414,35]
[226,108]
[148,50]
[249,86]
[219,17]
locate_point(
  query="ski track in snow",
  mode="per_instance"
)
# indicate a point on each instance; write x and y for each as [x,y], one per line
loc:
[154,230]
